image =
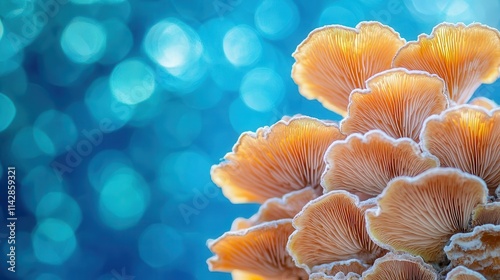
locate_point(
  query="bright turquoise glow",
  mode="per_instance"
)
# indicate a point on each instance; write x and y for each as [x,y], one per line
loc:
[132,81]
[53,241]
[8,110]
[84,40]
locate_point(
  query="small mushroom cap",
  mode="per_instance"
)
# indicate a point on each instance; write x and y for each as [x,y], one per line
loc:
[477,250]
[488,213]
[400,267]
[484,102]
[338,276]
[418,215]
[396,101]
[364,164]
[278,208]
[334,60]
[257,250]
[346,267]
[332,228]
[466,137]
[464,56]
[463,273]
[276,160]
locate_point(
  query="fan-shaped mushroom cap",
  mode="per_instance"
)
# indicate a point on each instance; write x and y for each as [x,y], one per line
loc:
[332,228]
[400,267]
[418,215]
[278,208]
[484,102]
[334,60]
[346,267]
[464,56]
[276,160]
[463,273]
[488,213]
[396,101]
[364,164]
[478,250]
[242,275]
[466,137]
[257,250]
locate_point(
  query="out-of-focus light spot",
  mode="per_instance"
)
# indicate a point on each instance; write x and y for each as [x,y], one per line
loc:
[132,81]
[8,64]
[48,136]
[103,106]
[181,83]
[173,44]
[184,174]
[8,110]
[276,19]
[53,241]
[103,165]
[428,8]
[1,29]
[123,199]
[262,89]
[24,145]
[85,2]
[242,46]
[243,118]
[37,183]
[61,206]
[460,11]
[159,245]
[84,40]
[343,13]
[119,41]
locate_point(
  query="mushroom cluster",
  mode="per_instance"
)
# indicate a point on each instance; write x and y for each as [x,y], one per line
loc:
[406,186]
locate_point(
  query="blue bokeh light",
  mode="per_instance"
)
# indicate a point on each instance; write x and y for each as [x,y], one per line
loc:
[123,199]
[132,81]
[276,19]
[53,241]
[47,132]
[8,110]
[61,206]
[242,46]
[262,89]
[84,40]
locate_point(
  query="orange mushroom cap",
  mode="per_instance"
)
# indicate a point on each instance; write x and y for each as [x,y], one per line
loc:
[364,164]
[276,160]
[338,276]
[464,56]
[463,273]
[488,213]
[332,228]
[257,250]
[419,214]
[400,267]
[466,137]
[334,60]
[477,250]
[396,101]
[484,102]
[278,208]
[345,267]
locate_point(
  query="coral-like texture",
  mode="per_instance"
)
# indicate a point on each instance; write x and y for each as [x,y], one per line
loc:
[488,213]
[364,164]
[418,215]
[466,137]
[396,101]
[478,250]
[335,59]
[463,273]
[276,160]
[332,228]
[400,267]
[464,56]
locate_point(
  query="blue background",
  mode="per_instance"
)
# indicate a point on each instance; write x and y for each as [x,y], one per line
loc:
[113,111]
